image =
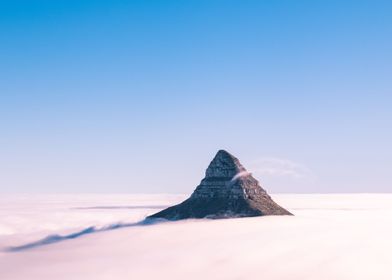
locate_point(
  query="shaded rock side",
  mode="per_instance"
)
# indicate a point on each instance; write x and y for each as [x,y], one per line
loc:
[227,191]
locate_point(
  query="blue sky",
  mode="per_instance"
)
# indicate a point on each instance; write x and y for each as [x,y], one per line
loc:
[137,96]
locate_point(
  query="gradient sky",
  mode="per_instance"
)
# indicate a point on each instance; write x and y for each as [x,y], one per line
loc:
[137,96]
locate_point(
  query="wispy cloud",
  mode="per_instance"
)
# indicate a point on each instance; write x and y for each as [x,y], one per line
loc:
[279,167]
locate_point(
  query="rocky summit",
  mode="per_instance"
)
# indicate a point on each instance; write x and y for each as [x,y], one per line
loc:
[227,191]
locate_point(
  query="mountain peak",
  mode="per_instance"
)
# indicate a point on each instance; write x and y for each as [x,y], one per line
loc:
[224,165]
[226,191]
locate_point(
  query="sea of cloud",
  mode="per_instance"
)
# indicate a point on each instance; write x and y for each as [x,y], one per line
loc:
[331,236]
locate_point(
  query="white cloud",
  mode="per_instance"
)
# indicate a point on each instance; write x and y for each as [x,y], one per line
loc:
[339,237]
[277,167]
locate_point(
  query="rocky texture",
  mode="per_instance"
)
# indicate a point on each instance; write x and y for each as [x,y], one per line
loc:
[227,191]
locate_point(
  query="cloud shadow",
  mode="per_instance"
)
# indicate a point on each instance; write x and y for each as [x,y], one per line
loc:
[55,238]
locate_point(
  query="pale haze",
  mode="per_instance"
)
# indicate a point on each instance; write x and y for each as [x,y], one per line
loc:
[137,97]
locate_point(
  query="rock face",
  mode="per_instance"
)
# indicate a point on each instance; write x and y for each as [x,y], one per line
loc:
[227,191]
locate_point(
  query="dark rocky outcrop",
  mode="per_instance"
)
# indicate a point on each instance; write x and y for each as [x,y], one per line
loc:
[227,191]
